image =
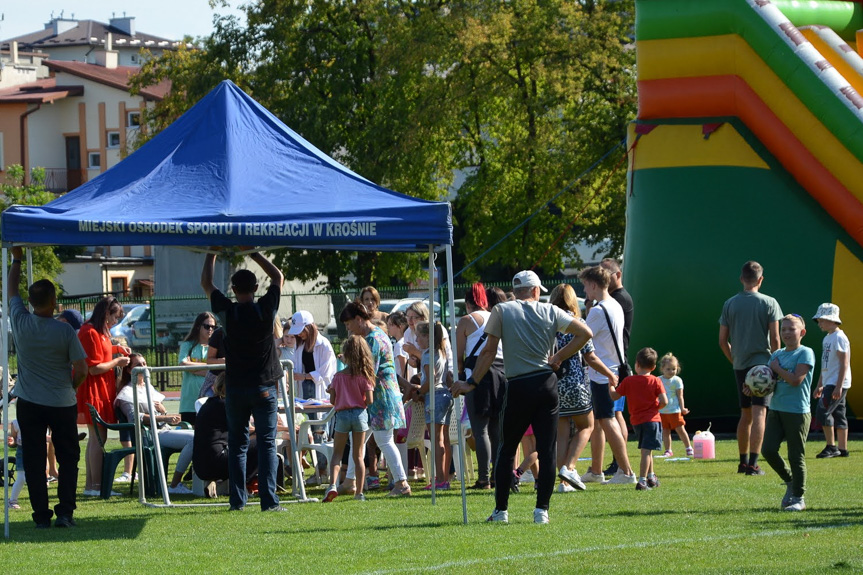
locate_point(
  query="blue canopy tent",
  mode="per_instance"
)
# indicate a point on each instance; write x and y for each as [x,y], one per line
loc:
[229,173]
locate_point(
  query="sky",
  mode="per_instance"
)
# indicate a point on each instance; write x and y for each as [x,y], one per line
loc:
[170,19]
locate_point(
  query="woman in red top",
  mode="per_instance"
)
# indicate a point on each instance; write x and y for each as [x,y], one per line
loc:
[100,387]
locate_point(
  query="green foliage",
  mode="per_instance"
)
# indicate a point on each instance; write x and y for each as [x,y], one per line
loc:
[517,98]
[13,191]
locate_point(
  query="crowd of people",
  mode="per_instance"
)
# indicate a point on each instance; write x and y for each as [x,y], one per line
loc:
[533,374]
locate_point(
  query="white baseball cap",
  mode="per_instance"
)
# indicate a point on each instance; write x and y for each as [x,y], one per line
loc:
[299,321]
[527,278]
[828,311]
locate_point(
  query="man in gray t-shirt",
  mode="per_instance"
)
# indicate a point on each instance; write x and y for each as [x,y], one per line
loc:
[527,328]
[51,366]
[748,334]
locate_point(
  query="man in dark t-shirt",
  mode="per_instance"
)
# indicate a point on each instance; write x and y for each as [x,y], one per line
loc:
[252,369]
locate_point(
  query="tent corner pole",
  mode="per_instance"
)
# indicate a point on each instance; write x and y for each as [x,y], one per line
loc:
[4,358]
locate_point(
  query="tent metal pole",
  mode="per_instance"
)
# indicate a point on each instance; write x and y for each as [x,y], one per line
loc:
[460,400]
[4,325]
[431,378]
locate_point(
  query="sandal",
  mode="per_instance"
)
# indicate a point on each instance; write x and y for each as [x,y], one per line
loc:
[480,485]
[400,492]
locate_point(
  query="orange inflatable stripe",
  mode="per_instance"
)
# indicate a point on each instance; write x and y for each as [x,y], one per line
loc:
[731,96]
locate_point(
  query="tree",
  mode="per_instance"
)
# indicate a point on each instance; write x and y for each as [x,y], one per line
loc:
[517,96]
[46,264]
[548,88]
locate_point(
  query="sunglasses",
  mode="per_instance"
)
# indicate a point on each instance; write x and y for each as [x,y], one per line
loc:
[208,326]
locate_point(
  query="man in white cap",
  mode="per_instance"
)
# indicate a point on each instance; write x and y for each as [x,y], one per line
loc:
[834,382]
[527,328]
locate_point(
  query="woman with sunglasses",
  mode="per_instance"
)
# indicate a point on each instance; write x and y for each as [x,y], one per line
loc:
[100,387]
[193,351]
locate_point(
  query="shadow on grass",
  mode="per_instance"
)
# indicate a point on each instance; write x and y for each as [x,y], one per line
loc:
[87,529]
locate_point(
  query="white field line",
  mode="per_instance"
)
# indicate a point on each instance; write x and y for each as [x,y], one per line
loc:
[595,548]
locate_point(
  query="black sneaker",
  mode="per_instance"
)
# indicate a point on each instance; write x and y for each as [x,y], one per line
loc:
[827,452]
[515,481]
[611,469]
[754,470]
[741,467]
[642,486]
[843,453]
[64,521]
[43,525]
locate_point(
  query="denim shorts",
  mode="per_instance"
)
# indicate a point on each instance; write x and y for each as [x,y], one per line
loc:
[442,406]
[603,406]
[348,420]
[649,435]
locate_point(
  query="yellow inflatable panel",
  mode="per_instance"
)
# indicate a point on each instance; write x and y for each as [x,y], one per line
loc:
[847,279]
[731,55]
[669,146]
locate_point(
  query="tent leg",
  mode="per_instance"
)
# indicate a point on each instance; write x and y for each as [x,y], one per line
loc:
[5,399]
[455,352]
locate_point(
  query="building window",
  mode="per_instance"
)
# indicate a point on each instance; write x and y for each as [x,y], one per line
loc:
[134,58]
[133,119]
[94,160]
[113,139]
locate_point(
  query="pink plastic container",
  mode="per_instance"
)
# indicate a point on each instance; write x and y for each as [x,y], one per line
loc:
[704,444]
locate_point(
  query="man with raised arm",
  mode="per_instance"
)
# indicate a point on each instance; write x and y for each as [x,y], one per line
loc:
[252,370]
[51,366]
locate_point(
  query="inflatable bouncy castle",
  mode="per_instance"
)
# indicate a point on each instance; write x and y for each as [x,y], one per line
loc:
[748,146]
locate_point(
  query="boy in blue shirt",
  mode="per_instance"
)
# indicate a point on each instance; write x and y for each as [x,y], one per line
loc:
[789,414]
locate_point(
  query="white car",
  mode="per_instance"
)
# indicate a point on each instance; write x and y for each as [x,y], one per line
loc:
[135,326]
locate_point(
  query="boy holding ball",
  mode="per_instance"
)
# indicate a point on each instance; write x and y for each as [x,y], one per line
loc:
[789,415]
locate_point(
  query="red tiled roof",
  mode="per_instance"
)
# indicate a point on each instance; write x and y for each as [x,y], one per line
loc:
[39,92]
[115,77]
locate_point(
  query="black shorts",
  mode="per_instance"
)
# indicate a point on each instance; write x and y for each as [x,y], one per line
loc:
[603,405]
[747,401]
[649,435]
[829,411]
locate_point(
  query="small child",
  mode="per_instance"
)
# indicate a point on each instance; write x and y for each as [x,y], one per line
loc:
[350,393]
[14,440]
[789,415]
[443,397]
[672,414]
[834,382]
[646,397]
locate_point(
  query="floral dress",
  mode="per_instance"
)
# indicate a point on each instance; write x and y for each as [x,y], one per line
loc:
[574,388]
[386,410]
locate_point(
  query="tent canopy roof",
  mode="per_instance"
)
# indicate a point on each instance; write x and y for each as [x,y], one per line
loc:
[229,173]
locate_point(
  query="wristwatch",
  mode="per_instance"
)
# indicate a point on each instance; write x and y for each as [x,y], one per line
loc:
[471,382]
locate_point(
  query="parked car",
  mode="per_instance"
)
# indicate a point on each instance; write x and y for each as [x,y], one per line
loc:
[135,325]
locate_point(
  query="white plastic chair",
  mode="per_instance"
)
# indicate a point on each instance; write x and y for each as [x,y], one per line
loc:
[326,447]
[417,432]
[454,420]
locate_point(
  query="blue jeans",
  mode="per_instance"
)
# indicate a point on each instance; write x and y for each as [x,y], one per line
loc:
[240,403]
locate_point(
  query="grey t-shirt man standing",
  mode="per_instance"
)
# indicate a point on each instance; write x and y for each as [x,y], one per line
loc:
[748,334]
[51,366]
[528,329]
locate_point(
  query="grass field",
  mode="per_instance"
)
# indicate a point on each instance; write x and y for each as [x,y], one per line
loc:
[705,518]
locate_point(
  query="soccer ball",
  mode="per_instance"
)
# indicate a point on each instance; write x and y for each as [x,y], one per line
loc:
[760,381]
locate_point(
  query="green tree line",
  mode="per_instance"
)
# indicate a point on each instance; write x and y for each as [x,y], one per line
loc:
[507,101]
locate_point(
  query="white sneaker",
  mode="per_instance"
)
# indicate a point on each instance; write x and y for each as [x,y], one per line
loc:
[571,477]
[540,516]
[180,489]
[498,517]
[526,477]
[125,478]
[796,504]
[591,477]
[565,487]
[91,493]
[620,478]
